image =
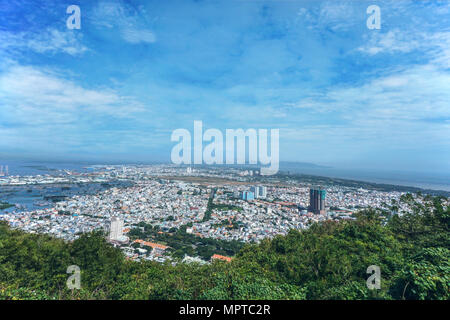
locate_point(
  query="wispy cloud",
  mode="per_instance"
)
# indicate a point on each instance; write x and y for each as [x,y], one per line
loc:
[38,96]
[432,45]
[130,23]
[139,69]
[389,110]
[332,15]
[393,41]
[48,41]
[136,36]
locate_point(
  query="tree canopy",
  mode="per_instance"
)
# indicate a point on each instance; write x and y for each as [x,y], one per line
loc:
[329,260]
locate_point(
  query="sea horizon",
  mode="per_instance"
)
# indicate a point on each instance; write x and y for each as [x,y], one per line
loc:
[423,180]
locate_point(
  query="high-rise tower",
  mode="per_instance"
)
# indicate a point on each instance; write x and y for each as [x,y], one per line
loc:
[259,191]
[116,229]
[317,201]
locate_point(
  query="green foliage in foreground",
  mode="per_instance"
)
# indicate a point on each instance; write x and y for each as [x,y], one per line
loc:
[327,261]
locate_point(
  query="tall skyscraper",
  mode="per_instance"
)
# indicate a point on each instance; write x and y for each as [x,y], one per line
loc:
[116,229]
[317,201]
[262,192]
[259,191]
[248,195]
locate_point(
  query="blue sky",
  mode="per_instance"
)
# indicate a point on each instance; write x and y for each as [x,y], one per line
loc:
[341,94]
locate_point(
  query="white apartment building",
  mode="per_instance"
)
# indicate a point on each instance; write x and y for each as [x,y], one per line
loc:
[116,229]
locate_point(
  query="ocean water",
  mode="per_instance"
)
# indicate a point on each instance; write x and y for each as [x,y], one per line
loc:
[430,180]
[31,168]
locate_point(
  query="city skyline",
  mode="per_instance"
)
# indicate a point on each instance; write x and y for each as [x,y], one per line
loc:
[341,94]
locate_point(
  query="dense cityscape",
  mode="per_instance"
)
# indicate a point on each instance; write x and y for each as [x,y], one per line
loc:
[231,204]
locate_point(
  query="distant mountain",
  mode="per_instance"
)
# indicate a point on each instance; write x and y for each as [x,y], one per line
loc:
[286,165]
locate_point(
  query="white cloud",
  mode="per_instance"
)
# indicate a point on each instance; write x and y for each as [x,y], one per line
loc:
[43,112]
[337,15]
[130,25]
[402,109]
[392,41]
[441,50]
[48,41]
[136,36]
[434,46]
[33,96]
[416,93]
[334,15]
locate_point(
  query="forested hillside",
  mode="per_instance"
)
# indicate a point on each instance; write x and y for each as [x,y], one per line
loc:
[327,261]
